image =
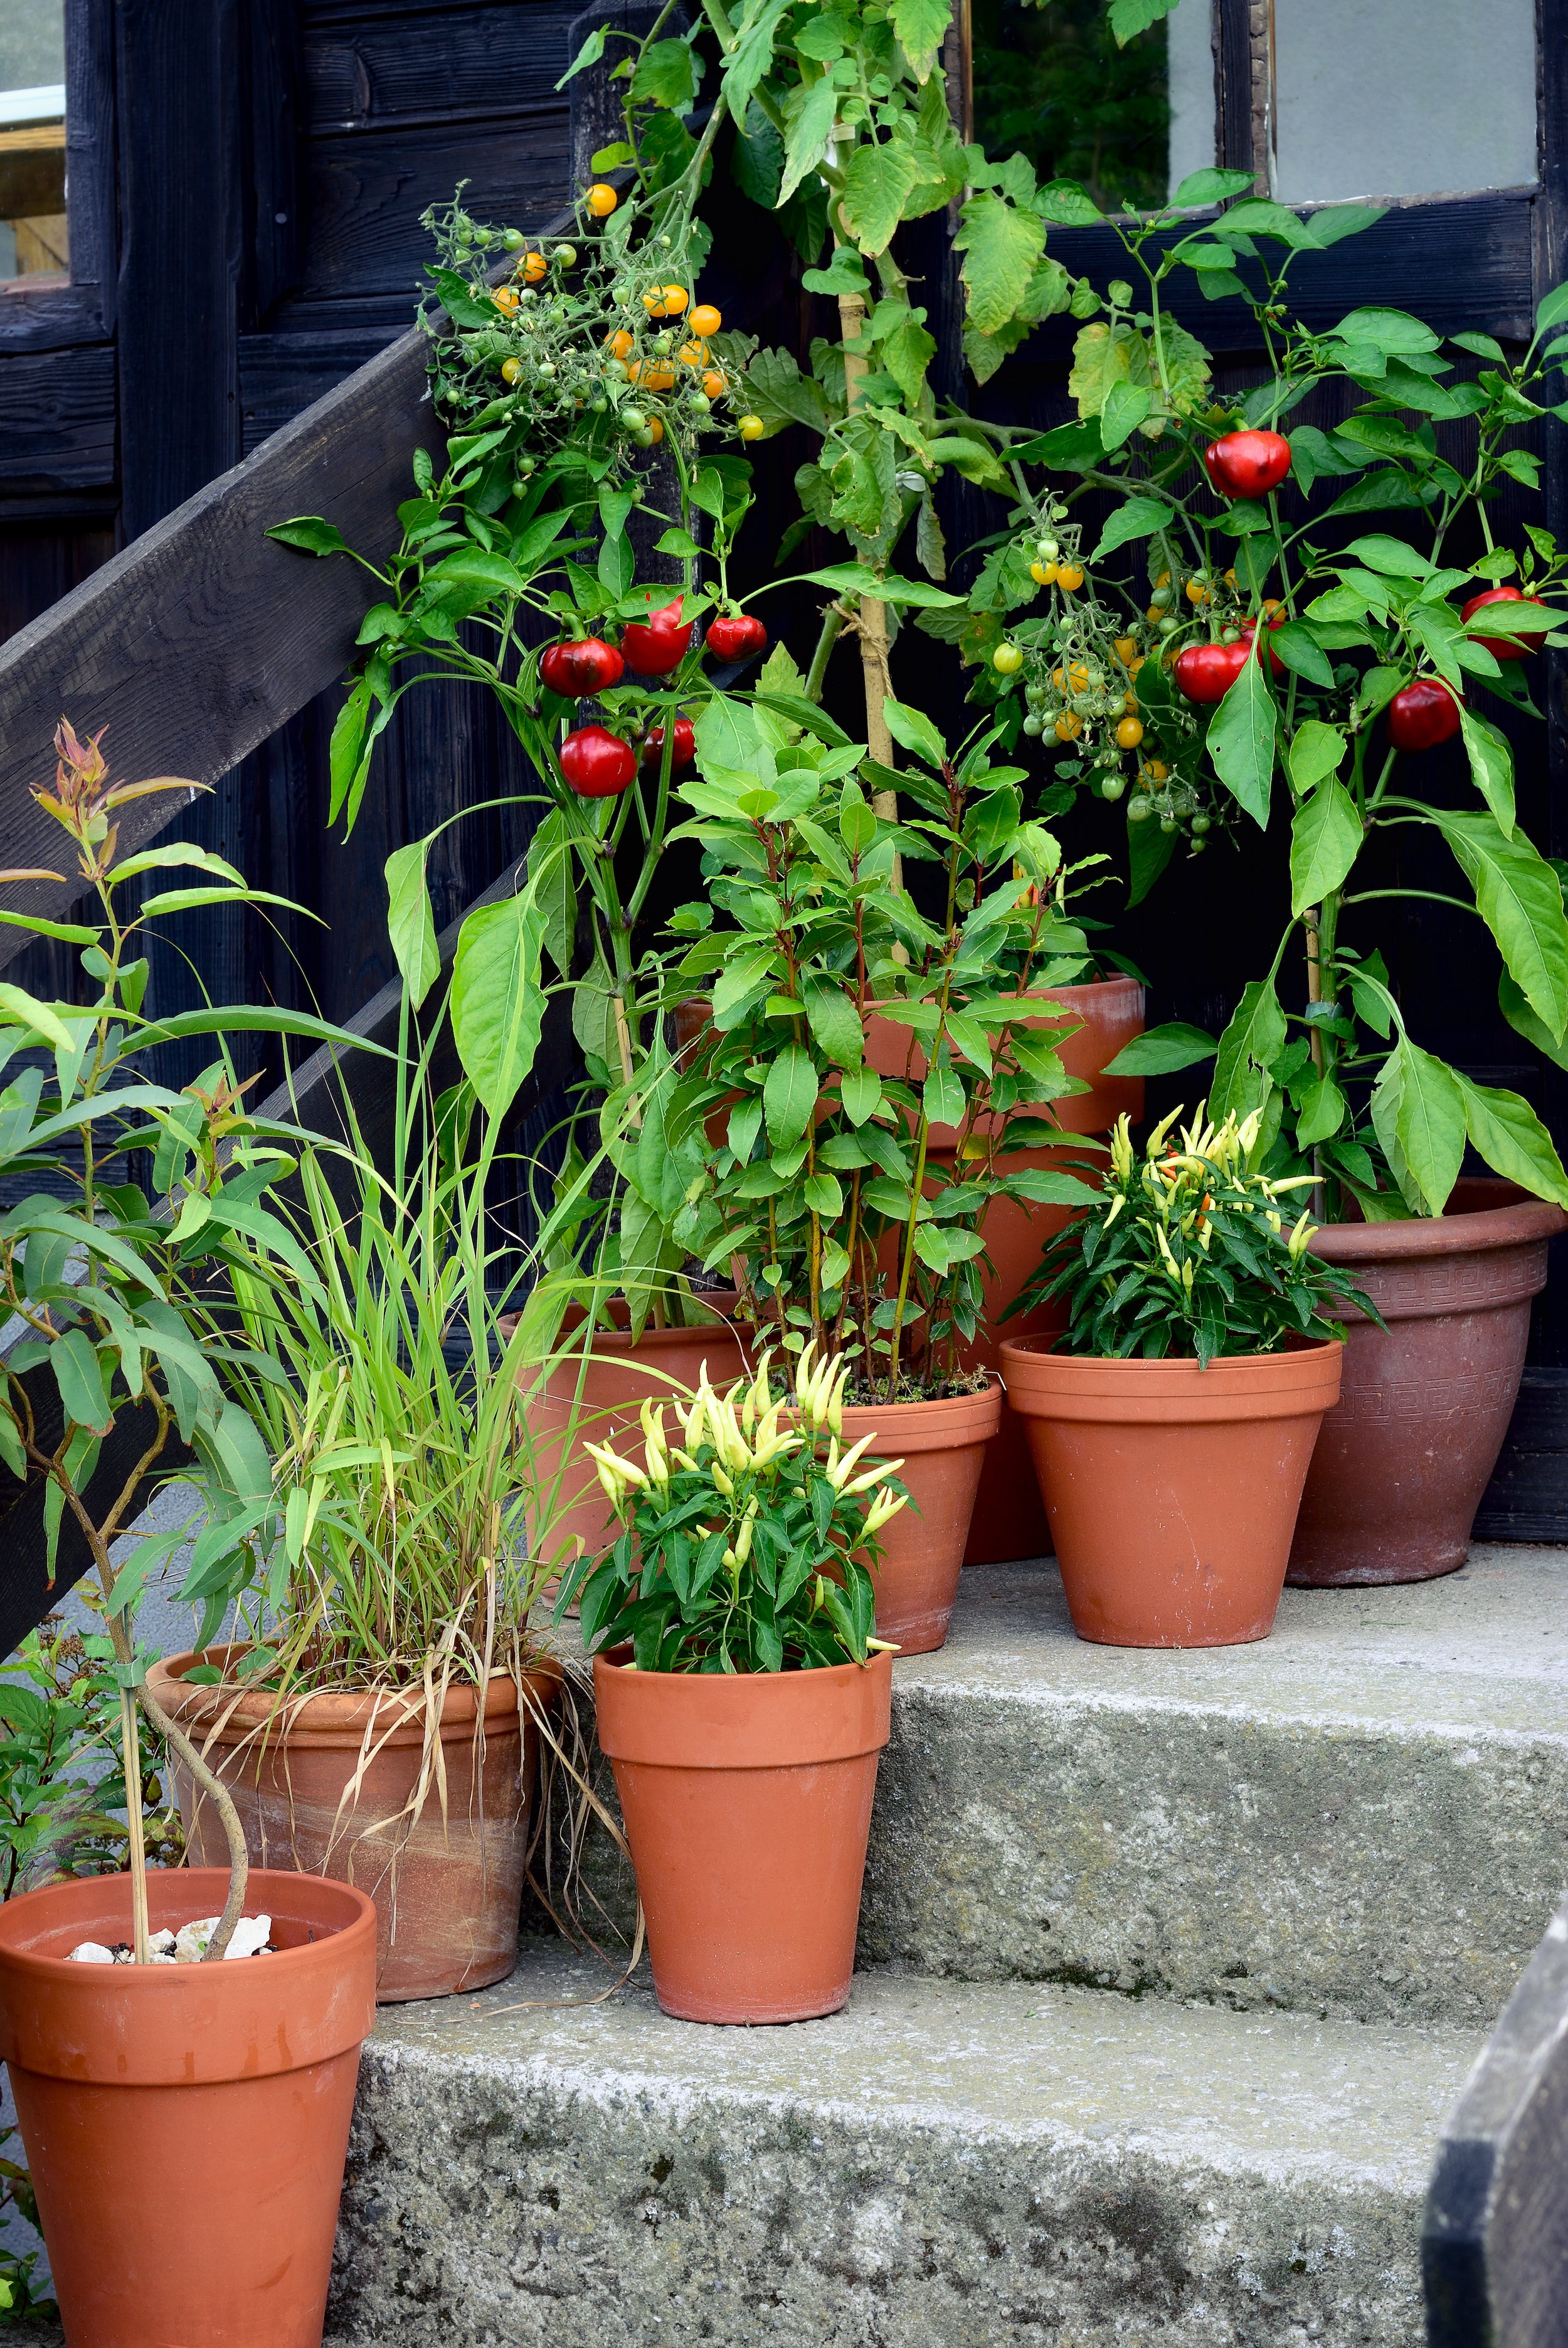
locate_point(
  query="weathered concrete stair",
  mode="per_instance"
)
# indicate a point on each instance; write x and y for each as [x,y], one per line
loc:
[1174,1964]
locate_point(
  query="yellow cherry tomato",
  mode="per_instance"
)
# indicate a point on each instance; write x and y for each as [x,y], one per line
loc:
[1163,580]
[1043,573]
[602,199]
[1153,773]
[1068,726]
[531,268]
[660,376]
[1130,733]
[1069,578]
[705,319]
[1230,578]
[693,355]
[751,427]
[665,301]
[1273,603]
[632,369]
[1155,612]
[505,298]
[1135,662]
[1006,660]
[714,386]
[510,369]
[622,345]
[655,431]
[1125,649]
[1197,591]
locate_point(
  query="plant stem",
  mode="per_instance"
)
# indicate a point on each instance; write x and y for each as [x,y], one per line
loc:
[217,1794]
[133,1751]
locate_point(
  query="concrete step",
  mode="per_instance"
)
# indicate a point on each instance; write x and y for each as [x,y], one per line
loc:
[944,2165]
[1364,1816]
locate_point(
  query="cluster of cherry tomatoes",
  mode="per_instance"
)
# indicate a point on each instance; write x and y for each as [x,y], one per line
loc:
[598,764]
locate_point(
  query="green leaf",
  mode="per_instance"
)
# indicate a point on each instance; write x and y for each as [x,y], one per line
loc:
[808,126]
[1125,406]
[1253,1039]
[1240,741]
[1511,1003]
[498,997]
[667,73]
[1138,518]
[1491,765]
[1325,840]
[1001,246]
[1386,330]
[834,1021]
[1322,1114]
[1520,898]
[1161,1050]
[1511,1137]
[859,1089]
[591,52]
[1211,187]
[1128,19]
[913,731]
[1300,650]
[1553,309]
[409,921]
[824,1195]
[1429,1122]
[1316,751]
[78,1373]
[311,534]
[854,579]
[941,1097]
[878,182]
[789,1096]
[551,874]
[921,27]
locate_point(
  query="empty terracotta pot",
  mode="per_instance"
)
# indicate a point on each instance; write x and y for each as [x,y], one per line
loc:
[747,1802]
[1400,1469]
[186,2125]
[943,1447]
[1171,1491]
[447,1892]
[1008,1520]
[596,1399]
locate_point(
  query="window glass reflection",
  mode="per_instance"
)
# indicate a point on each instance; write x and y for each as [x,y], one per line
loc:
[33,240]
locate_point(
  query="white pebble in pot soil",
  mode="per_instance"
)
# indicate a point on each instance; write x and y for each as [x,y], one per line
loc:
[253,1938]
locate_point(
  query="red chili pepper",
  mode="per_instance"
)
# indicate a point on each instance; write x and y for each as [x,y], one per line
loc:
[1503,647]
[1247,464]
[684,752]
[737,638]
[1422,713]
[597,764]
[660,646]
[587,665]
[1249,628]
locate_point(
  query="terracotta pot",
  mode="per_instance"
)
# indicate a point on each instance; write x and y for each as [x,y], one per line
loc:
[446,1896]
[1171,1491]
[186,2125]
[747,1802]
[1400,1468]
[598,1400]
[943,1446]
[1008,1520]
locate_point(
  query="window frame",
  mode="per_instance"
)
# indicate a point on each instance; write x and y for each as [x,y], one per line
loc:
[54,317]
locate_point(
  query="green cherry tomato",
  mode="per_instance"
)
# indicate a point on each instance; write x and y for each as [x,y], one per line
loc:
[1006,660]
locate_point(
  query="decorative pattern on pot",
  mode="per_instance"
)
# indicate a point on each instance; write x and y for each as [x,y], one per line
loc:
[448,1890]
[1171,1491]
[186,2125]
[1399,1471]
[747,1802]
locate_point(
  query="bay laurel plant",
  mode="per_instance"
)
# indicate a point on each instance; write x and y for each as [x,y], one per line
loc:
[1299,615]
[845,1225]
[1185,1252]
[749,1544]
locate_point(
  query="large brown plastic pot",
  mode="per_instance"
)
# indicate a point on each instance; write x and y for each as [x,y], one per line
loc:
[186,2125]
[1171,1491]
[447,1892]
[1008,1520]
[1400,1468]
[943,1446]
[747,1802]
[599,1399]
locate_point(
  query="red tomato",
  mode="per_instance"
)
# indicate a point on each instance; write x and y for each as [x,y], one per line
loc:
[660,646]
[737,638]
[575,669]
[597,764]
[1247,464]
[1248,630]
[685,750]
[1207,672]
[1423,714]
[1502,648]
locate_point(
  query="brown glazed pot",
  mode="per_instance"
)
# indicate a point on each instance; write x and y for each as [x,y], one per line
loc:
[597,1401]
[1401,1466]
[747,1802]
[1171,1491]
[1008,1520]
[447,1897]
[186,2125]
[943,1446]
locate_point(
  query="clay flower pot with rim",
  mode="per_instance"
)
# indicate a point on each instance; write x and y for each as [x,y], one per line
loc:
[943,1446]
[747,1800]
[186,2125]
[447,1892]
[598,1399]
[1400,1468]
[1171,1490]
[1008,1520]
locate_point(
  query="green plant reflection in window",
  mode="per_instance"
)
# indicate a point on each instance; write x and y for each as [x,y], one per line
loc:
[1050,81]
[34,243]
